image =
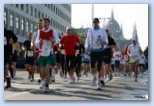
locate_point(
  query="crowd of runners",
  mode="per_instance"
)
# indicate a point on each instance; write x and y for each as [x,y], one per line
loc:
[45,52]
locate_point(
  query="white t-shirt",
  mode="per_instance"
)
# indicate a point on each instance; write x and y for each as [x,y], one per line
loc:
[134,52]
[117,55]
[142,59]
[95,36]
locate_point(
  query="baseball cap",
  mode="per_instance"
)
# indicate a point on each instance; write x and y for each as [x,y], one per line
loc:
[68,27]
[95,20]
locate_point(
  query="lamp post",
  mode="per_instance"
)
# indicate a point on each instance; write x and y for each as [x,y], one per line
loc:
[104,20]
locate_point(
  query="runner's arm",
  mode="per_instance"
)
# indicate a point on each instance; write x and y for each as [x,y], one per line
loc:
[56,38]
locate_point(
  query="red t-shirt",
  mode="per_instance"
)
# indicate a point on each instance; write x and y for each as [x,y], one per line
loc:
[69,44]
[124,52]
[46,36]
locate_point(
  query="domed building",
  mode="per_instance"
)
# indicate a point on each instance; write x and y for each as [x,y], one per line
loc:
[116,32]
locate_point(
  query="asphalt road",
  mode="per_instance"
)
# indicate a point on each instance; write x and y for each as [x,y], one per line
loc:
[120,88]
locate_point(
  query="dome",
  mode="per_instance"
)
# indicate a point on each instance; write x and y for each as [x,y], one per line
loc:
[112,25]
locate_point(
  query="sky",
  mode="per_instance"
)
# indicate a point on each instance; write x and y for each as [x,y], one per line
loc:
[125,14]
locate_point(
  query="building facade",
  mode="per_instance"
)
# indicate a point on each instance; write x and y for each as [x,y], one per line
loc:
[21,18]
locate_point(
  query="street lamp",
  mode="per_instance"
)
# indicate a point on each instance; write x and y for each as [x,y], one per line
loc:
[104,20]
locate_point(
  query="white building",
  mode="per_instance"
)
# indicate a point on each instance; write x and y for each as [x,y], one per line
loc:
[21,18]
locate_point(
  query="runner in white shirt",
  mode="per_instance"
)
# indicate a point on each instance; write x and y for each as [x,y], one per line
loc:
[134,51]
[95,41]
[117,58]
[142,63]
[40,25]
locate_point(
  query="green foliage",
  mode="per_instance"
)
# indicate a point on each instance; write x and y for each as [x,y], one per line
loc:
[146,53]
[81,37]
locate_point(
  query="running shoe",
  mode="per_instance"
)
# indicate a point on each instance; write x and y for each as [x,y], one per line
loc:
[46,90]
[102,83]
[135,80]
[42,85]
[94,82]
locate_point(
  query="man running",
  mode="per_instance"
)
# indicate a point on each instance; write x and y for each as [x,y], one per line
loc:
[69,41]
[125,59]
[45,40]
[9,39]
[134,51]
[95,41]
[107,55]
[40,25]
[29,64]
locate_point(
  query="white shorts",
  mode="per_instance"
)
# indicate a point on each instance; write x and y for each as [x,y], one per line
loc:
[124,62]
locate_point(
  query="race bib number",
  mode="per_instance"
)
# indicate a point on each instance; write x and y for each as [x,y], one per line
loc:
[96,45]
[30,53]
[77,51]
[46,48]
[5,41]
[62,51]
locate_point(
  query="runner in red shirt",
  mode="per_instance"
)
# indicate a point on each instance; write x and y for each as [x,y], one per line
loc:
[125,59]
[69,41]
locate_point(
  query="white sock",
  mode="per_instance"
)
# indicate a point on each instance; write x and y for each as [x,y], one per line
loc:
[8,76]
[53,74]
[94,75]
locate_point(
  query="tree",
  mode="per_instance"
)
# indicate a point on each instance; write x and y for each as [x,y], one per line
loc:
[146,53]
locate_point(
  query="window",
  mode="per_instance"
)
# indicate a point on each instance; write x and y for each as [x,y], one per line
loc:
[31,10]
[17,22]
[51,22]
[49,6]
[22,7]
[39,14]
[45,5]
[42,15]
[11,20]
[5,16]
[54,9]
[35,13]
[17,5]
[26,8]
[27,26]
[31,27]
[22,26]
[35,28]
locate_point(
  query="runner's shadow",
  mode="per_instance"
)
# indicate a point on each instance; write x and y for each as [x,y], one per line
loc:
[67,94]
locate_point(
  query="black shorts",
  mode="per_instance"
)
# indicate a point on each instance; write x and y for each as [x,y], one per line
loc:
[141,65]
[29,61]
[117,64]
[70,62]
[58,58]
[7,60]
[86,62]
[96,57]
[107,60]
[14,57]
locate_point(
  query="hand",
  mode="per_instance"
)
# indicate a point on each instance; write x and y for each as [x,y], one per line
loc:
[86,50]
[32,47]
[10,41]
[81,54]
[52,40]
[102,42]
[40,41]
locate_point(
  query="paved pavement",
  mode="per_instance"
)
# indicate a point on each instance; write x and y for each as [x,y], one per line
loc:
[120,88]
